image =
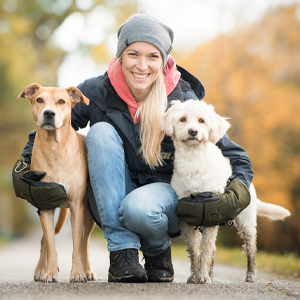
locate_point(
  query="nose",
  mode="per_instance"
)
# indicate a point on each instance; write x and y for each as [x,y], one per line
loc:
[193,132]
[49,114]
[142,63]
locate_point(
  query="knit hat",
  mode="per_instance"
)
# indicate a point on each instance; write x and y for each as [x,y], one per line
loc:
[142,27]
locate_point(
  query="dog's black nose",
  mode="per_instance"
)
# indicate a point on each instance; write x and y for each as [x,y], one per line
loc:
[193,132]
[49,114]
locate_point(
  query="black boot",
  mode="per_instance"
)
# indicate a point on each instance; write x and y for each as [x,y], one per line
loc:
[159,268]
[125,267]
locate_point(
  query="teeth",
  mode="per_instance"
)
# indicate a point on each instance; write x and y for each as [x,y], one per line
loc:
[140,76]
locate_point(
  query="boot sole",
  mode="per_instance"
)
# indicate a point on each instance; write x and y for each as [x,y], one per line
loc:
[129,278]
[155,278]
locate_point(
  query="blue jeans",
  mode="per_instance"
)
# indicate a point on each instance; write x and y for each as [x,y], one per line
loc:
[131,217]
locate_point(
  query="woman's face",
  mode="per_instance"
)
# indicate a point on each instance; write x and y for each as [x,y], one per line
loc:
[141,64]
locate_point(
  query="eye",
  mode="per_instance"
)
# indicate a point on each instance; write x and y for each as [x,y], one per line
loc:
[133,54]
[39,100]
[183,119]
[201,120]
[61,101]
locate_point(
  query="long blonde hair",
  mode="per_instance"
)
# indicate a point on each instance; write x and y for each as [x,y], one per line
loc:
[150,113]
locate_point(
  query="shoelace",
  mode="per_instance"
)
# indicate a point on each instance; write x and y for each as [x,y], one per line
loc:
[129,256]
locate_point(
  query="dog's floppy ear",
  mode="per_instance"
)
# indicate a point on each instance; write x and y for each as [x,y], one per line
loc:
[167,121]
[30,91]
[76,95]
[219,126]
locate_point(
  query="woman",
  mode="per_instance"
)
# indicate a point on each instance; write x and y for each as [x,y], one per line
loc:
[129,158]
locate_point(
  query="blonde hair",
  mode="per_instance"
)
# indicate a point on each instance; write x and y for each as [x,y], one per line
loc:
[150,113]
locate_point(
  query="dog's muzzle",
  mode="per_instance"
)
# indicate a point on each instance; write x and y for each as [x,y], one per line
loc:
[193,132]
[49,114]
[48,119]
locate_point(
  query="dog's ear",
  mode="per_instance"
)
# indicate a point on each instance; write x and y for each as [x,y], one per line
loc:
[30,91]
[167,121]
[76,95]
[219,126]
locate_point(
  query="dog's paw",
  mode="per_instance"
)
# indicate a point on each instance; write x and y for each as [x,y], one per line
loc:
[250,276]
[39,273]
[78,277]
[38,276]
[45,277]
[91,276]
[204,280]
[192,279]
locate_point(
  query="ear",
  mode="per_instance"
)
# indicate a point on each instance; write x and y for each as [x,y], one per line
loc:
[30,91]
[167,121]
[76,95]
[219,127]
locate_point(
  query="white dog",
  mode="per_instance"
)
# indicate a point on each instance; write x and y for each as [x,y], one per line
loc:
[200,166]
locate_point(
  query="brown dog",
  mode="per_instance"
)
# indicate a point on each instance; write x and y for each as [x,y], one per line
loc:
[61,153]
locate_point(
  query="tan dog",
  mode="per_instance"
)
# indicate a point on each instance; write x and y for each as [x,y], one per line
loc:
[61,153]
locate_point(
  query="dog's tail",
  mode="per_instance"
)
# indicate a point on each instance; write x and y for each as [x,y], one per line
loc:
[63,213]
[271,211]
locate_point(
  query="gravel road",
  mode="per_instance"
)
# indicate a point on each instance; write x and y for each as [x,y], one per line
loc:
[19,258]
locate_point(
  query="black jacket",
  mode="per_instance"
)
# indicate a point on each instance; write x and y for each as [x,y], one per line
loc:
[107,106]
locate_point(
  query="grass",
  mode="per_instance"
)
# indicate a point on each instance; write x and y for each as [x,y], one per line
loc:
[279,264]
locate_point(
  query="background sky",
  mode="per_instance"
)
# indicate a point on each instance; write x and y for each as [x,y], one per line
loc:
[193,22]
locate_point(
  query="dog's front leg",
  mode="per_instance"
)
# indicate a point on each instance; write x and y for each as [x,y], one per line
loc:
[207,254]
[192,238]
[48,248]
[41,267]
[89,224]
[77,219]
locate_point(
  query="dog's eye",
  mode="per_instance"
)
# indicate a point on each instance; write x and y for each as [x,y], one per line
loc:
[39,100]
[201,120]
[183,119]
[61,101]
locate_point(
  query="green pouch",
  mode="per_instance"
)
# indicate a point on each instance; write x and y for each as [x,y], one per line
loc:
[27,185]
[211,209]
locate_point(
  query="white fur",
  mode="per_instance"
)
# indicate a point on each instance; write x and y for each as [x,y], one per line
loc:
[199,166]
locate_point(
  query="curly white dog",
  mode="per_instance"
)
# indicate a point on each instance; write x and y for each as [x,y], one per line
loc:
[200,166]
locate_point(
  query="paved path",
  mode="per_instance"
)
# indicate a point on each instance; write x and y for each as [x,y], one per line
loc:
[19,258]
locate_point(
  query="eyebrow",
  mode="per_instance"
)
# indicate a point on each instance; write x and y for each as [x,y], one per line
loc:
[155,52]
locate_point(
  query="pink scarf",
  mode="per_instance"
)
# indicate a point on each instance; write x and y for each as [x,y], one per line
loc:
[118,81]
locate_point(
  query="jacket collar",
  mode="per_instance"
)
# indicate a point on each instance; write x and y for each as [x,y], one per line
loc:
[113,100]
[196,85]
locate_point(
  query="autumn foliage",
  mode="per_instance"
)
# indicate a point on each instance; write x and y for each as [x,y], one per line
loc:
[253,77]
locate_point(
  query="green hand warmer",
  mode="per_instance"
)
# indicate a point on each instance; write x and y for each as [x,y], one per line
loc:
[27,185]
[211,209]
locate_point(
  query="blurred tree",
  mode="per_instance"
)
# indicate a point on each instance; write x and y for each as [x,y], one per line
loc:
[253,76]
[28,54]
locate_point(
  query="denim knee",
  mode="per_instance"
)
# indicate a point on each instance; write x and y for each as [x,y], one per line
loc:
[143,219]
[100,133]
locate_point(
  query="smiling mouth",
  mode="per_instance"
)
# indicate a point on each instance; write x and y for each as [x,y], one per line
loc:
[140,76]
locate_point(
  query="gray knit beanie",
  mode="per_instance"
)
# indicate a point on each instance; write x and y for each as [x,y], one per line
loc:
[142,27]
